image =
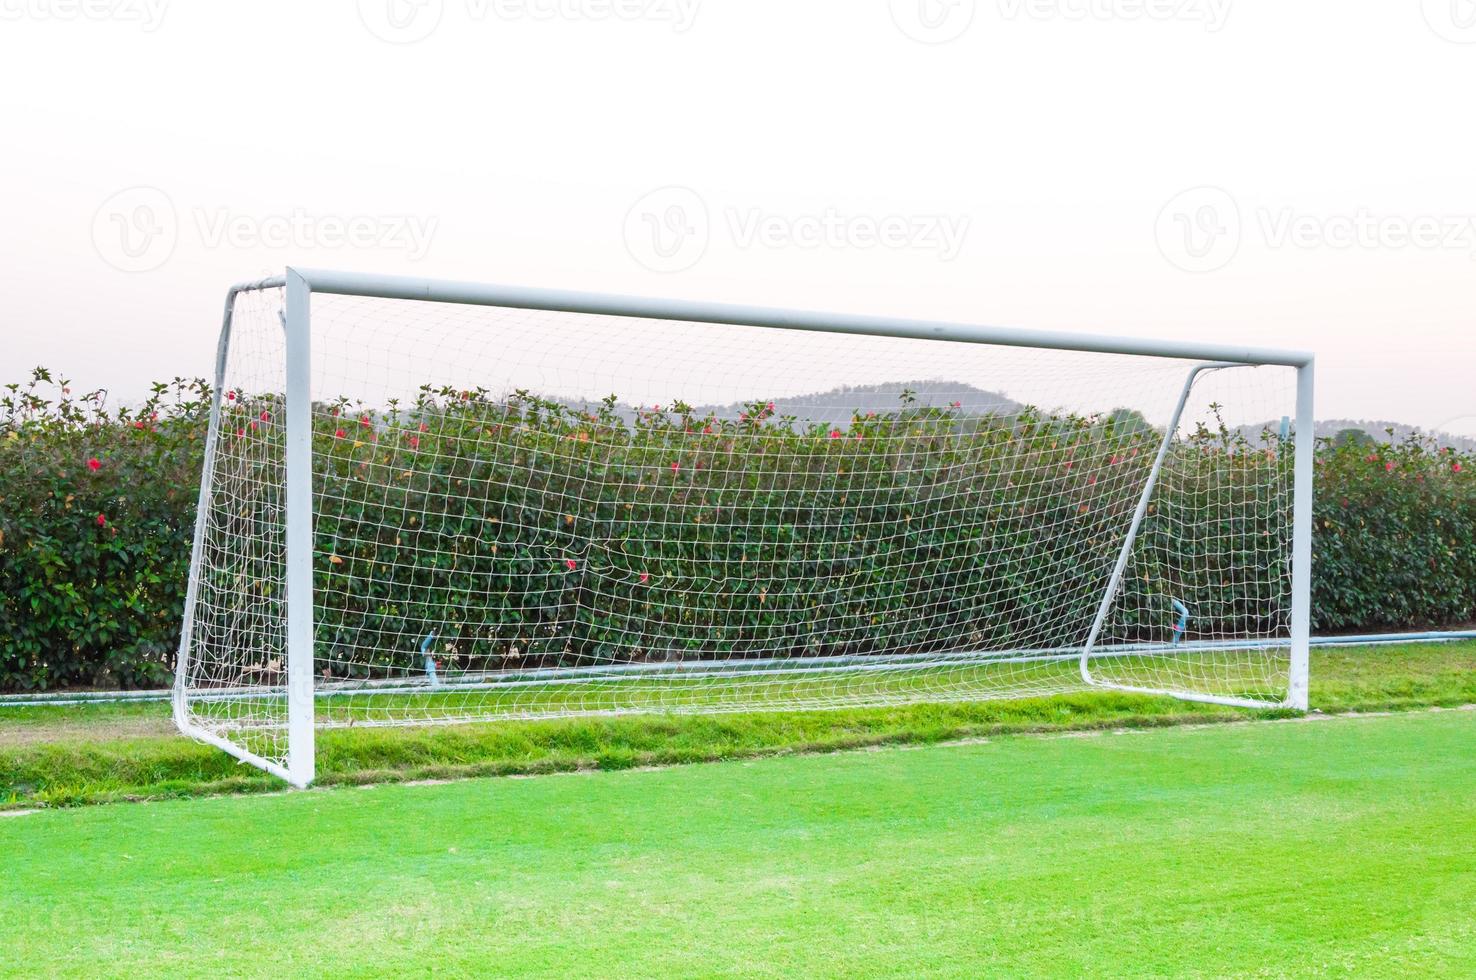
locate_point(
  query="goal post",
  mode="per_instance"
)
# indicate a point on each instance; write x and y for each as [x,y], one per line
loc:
[428,502]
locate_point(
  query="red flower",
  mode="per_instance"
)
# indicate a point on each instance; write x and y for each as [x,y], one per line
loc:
[102,520]
[1372,458]
[333,412]
[424,427]
[138,424]
[958,404]
[835,433]
[1455,467]
[266,416]
[338,434]
[675,467]
[645,577]
[240,432]
[1069,464]
[770,406]
[1388,467]
[571,563]
[707,430]
[415,442]
[364,421]
[93,464]
[230,396]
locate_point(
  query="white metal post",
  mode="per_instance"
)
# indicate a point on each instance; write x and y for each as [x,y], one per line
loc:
[300,747]
[1301,624]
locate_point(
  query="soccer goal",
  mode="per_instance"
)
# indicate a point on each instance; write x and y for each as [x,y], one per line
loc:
[430,502]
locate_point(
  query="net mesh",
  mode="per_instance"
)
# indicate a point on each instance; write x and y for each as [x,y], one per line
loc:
[525,514]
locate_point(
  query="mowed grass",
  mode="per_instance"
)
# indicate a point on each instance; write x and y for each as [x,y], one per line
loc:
[1340,845]
[60,756]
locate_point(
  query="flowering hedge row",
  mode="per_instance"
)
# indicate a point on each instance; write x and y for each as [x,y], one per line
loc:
[97,508]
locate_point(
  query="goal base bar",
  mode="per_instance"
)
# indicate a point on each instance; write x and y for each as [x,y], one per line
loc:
[231,748]
[1191,696]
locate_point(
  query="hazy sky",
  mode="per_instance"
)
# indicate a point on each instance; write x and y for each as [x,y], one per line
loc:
[1289,174]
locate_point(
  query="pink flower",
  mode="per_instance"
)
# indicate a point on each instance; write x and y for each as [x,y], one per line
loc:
[338,434]
[645,577]
[102,520]
[138,424]
[1455,467]
[94,464]
[958,404]
[424,427]
[770,406]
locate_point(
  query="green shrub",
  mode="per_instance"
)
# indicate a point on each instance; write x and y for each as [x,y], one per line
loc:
[613,525]
[96,512]
[1395,537]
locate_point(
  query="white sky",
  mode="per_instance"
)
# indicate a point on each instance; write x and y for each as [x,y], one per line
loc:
[1038,153]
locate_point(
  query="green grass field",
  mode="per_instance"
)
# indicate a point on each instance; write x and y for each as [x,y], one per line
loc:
[1329,846]
[60,756]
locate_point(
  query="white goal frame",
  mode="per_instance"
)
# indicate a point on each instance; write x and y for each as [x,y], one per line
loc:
[300,284]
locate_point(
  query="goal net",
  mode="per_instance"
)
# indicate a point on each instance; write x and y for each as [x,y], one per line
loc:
[535,512]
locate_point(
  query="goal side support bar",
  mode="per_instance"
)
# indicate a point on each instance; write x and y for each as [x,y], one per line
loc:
[1300,639]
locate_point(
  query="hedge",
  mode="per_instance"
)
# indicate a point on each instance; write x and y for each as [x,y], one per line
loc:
[97,509]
